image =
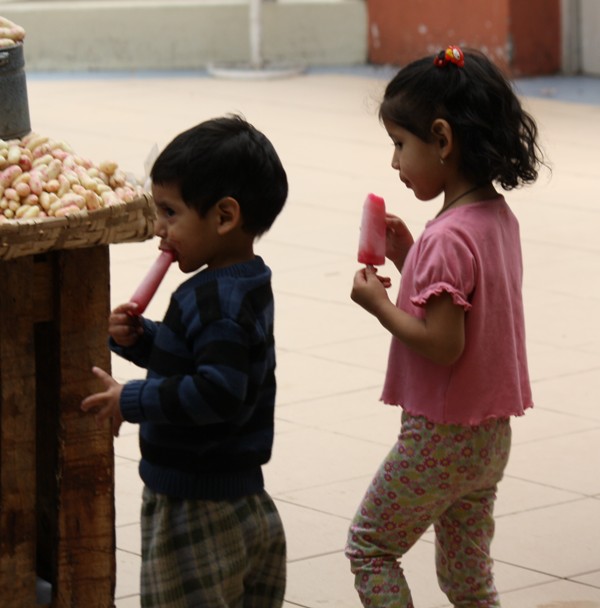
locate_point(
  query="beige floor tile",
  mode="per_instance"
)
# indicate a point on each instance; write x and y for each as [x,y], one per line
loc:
[560,540]
[319,378]
[517,496]
[557,594]
[553,418]
[129,538]
[329,412]
[303,322]
[368,351]
[573,395]
[128,602]
[326,581]
[325,278]
[128,575]
[307,458]
[327,532]
[551,360]
[340,498]
[568,462]
[592,579]
[332,432]
[128,490]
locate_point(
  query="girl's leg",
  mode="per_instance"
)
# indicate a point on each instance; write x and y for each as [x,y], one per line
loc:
[464,532]
[407,494]
[463,537]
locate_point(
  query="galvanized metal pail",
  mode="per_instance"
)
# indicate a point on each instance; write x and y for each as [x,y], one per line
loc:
[14,107]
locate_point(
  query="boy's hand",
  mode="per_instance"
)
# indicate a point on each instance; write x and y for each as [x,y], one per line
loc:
[106,404]
[369,289]
[124,325]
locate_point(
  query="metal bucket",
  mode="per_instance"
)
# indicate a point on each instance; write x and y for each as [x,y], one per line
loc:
[14,107]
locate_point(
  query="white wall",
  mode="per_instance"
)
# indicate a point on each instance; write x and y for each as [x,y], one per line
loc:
[185,34]
[590,35]
[580,35]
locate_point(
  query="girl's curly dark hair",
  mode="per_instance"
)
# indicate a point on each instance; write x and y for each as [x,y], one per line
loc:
[497,137]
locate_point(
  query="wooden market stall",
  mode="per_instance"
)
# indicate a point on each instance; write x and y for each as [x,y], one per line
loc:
[57,510]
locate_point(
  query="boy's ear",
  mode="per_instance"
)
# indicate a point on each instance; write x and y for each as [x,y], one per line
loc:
[228,215]
[442,135]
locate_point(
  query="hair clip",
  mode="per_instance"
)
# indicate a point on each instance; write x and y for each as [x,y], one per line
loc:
[453,54]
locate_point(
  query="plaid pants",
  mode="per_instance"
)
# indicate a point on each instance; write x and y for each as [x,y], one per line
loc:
[445,475]
[213,554]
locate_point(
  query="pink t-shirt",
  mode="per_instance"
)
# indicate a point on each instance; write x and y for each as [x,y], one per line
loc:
[472,252]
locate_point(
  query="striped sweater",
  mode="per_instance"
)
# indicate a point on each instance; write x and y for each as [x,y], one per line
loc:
[206,407]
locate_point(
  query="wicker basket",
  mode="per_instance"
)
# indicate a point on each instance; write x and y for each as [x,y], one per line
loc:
[129,222]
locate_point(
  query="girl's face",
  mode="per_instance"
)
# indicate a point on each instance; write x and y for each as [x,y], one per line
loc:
[183,230]
[417,162]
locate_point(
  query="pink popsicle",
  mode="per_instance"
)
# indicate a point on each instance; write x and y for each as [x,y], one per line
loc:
[371,246]
[147,288]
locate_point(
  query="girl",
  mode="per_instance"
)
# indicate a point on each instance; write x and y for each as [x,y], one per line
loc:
[457,363]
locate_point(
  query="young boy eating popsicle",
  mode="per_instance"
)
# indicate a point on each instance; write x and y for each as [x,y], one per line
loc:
[211,535]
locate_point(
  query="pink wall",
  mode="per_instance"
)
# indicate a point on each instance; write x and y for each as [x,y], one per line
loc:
[522,37]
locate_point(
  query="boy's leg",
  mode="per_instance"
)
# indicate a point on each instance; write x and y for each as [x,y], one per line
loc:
[264,584]
[193,554]
[206,553]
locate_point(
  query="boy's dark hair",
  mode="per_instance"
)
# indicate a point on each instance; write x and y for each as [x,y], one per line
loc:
[497,138]
[221,157]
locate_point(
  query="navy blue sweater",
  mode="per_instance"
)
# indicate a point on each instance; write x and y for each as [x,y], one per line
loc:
[206,407]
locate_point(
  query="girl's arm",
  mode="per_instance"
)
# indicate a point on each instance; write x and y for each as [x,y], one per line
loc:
[440,336]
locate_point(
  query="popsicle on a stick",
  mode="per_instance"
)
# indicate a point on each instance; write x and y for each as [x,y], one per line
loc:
[147,288]
[371,246]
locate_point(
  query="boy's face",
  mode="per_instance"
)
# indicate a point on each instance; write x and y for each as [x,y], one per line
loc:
[193,239]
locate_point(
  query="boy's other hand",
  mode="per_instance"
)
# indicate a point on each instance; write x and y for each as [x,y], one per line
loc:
[125,325]
[106,404]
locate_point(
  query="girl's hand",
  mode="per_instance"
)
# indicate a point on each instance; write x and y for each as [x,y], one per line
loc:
[106,404]
[124,325]
[369,289]
[398,240]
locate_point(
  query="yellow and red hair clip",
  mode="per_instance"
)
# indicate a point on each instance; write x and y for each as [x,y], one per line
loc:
[453,54]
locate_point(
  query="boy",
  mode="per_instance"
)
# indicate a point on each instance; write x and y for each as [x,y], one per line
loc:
[211,535]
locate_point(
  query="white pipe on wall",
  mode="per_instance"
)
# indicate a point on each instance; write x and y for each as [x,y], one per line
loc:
[255,22]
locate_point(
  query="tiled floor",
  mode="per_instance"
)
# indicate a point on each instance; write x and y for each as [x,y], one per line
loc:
[331,430]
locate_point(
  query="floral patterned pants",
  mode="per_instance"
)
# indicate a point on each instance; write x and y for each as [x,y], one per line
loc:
[445,475]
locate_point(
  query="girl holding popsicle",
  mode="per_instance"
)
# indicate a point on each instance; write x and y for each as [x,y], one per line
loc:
[457,362]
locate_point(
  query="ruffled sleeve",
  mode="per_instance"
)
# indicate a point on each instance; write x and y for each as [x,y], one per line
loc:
[445,264]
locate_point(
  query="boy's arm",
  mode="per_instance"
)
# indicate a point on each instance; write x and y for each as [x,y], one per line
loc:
[139,352]
[214,392]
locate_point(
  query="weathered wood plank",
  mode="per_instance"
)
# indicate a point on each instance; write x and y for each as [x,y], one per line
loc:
[86,542]
[17,435]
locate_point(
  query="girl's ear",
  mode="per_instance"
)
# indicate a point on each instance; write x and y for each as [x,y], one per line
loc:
[228,215]
[442,135]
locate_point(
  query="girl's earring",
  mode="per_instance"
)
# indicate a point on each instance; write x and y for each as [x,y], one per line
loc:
[441,161]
